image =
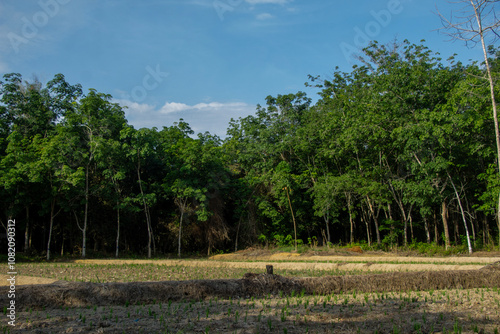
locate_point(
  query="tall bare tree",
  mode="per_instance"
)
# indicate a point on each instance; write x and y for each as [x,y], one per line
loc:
[477,22]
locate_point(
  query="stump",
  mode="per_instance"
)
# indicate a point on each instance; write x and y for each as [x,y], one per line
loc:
[269,269]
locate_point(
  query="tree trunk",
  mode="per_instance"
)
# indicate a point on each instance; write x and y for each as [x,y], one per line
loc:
[351,220]
[456,231]
[117,230]
[389,215]
[366,220]
[293,217]
[84,232]
[463,215]
[444,215]
[405,229]
[485,224]
[375,218]
[436,231]
[148,222]
[180,232]
[26,232]
[151,231]
[427,232]
[52,207]
[237,235]
[411,226]
[498,222]
[493,101]
[404,215]
[327,221]
[473,228]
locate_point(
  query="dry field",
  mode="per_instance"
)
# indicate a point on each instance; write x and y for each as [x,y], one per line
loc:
[309,293]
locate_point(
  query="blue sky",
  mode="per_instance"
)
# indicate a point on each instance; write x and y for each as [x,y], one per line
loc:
[205,61]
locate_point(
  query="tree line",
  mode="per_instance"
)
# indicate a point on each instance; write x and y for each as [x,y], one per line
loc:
[398,151]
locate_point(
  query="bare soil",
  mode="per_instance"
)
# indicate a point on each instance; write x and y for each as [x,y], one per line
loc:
[416,295]
[320,263]
[438,311]
[26,280]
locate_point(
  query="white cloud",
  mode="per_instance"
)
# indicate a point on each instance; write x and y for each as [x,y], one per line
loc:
[218,105]
[134,107]
[264,16]
[173,107]
[213,117]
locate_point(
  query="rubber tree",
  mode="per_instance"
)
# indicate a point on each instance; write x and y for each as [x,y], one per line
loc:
[140,147]
[94,121]
[31,111]
[477,22]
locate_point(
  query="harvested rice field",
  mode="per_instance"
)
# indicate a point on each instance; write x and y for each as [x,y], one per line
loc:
[233,294]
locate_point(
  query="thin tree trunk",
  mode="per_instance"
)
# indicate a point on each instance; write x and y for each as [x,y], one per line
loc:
[117,230]
[474,224]
[498,222]
[399,201]
[427,232]
[375,218]
[351,220]
[327,221]
[237,235]
[411,226]
[84,232]
[444,215]
[473,228]
[26,232]
[484,230]
[389,213]
[405,229]
[436,231]
[152,234]
[463,215]
[493,101]
[52,206]
[368,233]
[456,232]
[293,217]
[366,219]
[148,223]
[180,232]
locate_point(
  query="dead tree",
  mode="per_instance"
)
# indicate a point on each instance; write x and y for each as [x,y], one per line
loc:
[476,22]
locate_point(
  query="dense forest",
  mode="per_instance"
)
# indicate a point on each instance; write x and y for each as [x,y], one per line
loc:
[399,151]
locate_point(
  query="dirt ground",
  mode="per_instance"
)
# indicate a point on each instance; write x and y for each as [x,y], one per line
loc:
[293,261]
[26,280]
[349,261]
[417,295]
[439,311]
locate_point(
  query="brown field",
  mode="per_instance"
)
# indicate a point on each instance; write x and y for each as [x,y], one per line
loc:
[365,293]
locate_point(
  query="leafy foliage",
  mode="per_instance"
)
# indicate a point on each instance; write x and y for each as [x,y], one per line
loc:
[387,155]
